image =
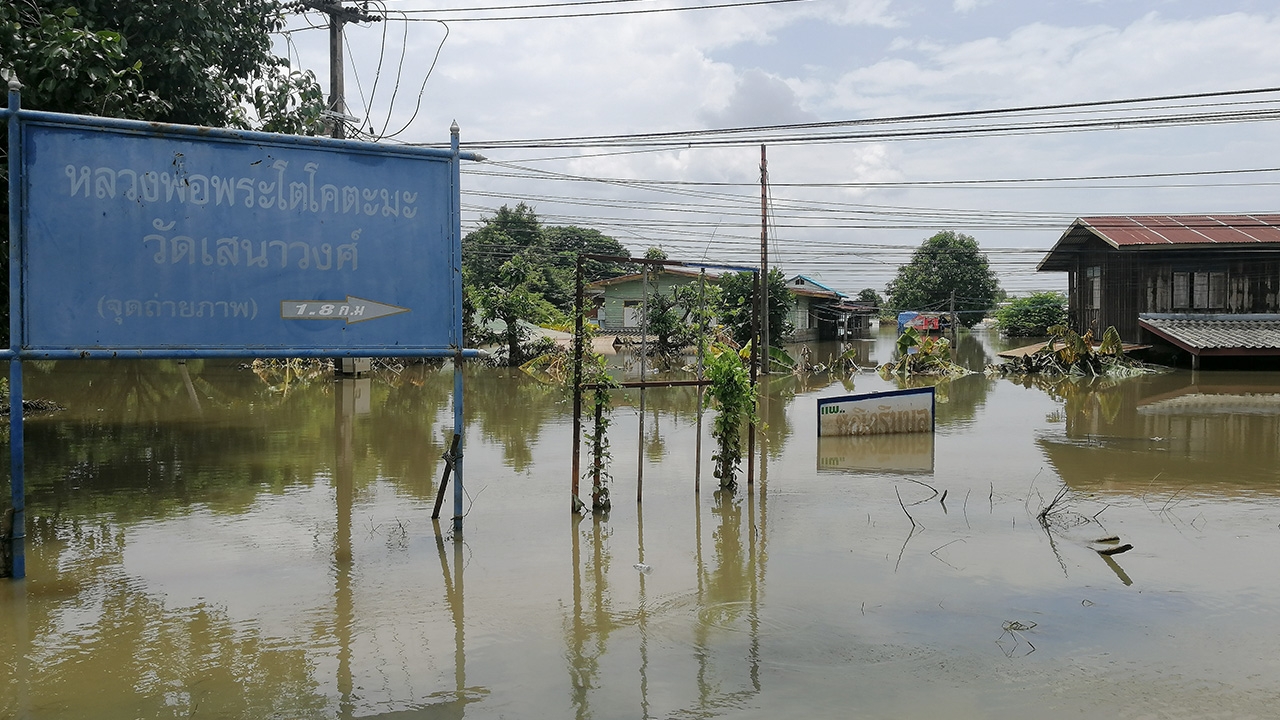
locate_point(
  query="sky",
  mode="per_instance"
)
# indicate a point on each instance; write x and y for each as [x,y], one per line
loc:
[528,91]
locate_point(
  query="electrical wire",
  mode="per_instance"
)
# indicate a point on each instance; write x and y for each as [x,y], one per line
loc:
[615,13]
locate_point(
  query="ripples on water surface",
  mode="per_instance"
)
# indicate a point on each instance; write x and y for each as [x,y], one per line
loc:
[206,541]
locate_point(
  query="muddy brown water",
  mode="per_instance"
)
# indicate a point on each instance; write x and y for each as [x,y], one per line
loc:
[208,542]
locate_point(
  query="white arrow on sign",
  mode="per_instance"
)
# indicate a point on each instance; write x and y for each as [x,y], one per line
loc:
[353,310]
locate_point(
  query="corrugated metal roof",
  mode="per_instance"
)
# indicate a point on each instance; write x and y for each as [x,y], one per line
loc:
[806,280]
[1200,404]
[1155,232]
[1121,231]
[671,270]
[1217,332]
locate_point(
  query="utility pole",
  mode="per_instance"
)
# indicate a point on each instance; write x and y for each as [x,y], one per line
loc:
[764,262]
[953,316]
[338,15]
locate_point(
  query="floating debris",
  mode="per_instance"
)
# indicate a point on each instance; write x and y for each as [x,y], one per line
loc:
[1116,550]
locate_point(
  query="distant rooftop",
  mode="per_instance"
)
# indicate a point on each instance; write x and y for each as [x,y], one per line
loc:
[804,281]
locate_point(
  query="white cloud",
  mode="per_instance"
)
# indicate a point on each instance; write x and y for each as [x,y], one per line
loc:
[835,61]
[758,99]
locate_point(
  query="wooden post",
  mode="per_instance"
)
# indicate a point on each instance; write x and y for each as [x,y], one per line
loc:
[444,477]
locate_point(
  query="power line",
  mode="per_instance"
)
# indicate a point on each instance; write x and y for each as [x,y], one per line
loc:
[614,13]
[536,174]
[807,132]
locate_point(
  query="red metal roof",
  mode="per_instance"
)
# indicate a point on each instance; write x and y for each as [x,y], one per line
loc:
[1121,231]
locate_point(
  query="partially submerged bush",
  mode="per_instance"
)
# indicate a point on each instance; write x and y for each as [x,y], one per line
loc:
[1068,353]
[922,355]
[1032,315]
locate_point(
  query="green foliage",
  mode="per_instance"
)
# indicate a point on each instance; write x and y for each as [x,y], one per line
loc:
[556,253]
[667,320]
[200,63]
[513,299]
[510,232]
[683,318]
[655,253]
[1070,354]
[921,355]
[946,262]
[595,370]
[1032,315]
[733,396]
[736,300]
[290,102]
[869,295]
[551,251]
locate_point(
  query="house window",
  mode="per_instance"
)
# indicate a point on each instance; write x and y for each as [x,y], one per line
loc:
[1093,285]
[631,313]
[1181,290]
[1199,290]
[1217,290]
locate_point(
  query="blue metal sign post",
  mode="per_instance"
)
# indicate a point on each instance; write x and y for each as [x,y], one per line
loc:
[132,239]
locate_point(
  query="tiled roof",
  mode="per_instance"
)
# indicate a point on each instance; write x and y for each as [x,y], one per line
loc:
[1216,332]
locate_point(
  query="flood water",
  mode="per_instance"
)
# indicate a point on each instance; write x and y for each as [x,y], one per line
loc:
[205,541]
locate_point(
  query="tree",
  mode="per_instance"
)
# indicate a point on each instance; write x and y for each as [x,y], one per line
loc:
[945,263]
[552,252]
[870,296]
[667,320]
[1032,315]
[655,253]
[199,63]
[500,238]
[557,254]
[514,298]
[736,301]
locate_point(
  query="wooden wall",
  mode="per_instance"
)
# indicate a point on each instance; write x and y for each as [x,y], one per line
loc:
[1136,281]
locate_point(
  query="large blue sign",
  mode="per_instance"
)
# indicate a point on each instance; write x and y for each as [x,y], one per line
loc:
[152,239]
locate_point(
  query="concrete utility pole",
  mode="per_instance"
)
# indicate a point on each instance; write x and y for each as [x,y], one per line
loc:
[764,262]
[338,14]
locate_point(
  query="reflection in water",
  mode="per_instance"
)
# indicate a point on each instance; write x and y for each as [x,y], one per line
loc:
[600,627]
[264,549]
[895,453]
[1169,432]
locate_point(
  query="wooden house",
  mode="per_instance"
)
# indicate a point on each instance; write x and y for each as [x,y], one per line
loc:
[1206,284]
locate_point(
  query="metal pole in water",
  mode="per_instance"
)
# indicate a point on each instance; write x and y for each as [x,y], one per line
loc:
[644,375]
[755,364]
[456,228]
[17,486]
[577,382]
